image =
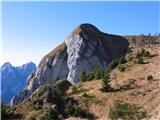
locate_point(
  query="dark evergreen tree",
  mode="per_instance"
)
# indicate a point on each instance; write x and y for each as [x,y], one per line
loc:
[83,76]
[97,73]
[90,76]
[105,85]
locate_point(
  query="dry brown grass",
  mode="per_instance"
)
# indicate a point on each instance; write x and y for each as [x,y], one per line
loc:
[76,31]
[61,47]
[144,93]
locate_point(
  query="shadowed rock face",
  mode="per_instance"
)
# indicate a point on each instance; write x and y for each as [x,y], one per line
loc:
[83,49]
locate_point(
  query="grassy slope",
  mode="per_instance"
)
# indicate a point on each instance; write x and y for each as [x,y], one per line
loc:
[142,93]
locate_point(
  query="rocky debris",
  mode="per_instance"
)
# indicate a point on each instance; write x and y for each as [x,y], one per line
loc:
[83,49]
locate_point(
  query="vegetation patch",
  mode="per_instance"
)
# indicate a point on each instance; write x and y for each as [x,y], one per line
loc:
[126,111]
[141,55]
[121,68]
[7,115]
[150,77]
[78,90]
[51,114]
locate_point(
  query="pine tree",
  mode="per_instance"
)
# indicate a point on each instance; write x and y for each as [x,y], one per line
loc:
[90,76]
[83,76]
[105,86]
[97,73]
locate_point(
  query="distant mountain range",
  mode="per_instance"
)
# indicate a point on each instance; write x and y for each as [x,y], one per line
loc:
[14,79]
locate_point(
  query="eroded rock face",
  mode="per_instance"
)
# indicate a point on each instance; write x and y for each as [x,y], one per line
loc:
[83,56]
[53,68]
[82,50]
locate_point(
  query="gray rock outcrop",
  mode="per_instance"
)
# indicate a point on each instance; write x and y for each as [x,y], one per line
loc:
[82,50]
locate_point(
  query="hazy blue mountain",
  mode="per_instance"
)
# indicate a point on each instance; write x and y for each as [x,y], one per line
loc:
[13,79]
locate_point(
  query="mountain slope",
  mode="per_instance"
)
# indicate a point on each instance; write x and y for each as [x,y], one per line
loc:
[132,86]
[14,79]
[83,49]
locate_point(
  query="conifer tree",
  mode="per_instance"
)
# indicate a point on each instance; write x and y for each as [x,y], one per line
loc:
[106,86]
[97,73]
[83,76]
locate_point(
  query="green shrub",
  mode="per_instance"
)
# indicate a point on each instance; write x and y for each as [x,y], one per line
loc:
[32,118]
[129,50]
[51,114]
[37,104]
[85,95]
[144,53]
[5,115]
[113,64]
[122,60]
[150,77]
[97,73]
[77,90]
[121,68]
[126,111]
[73,109]
[83,76]
[59,89]
[140,60]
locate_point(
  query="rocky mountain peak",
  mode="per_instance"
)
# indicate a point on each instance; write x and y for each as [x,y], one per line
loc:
[84,49]
[14,79]
[84,28]
[6,64]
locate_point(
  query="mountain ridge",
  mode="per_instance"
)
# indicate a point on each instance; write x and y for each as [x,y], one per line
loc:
[80,51]
[13,79]
[130,84]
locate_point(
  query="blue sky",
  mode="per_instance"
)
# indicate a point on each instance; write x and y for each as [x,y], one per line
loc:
[31,29]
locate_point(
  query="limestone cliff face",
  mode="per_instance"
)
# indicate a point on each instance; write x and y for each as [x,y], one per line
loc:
[83,49]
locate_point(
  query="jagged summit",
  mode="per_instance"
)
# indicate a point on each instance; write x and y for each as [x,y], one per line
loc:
[7,64]
[83,49]
[13,79]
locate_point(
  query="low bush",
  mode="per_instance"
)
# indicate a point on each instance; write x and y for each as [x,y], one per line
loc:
[126,111]
[140,60]
[150,77]
[51,114]
[32,118]
[37,104]
[77,90]
[140,56]
[113,64]
[121,68]
[129,50]
[73,109]
[5,115]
